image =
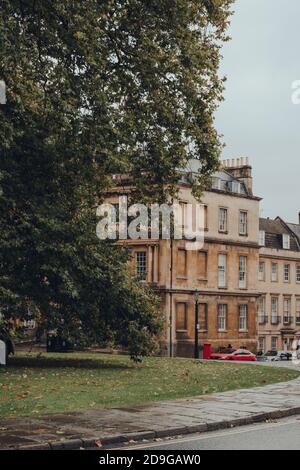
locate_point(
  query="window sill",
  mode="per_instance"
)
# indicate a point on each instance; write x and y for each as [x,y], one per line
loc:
[183,278]
[243,331]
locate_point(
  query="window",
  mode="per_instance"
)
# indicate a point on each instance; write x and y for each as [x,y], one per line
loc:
[181,316]
[243,223]
[298,311]
[202,317]
[234,186]
[261,271]
[242,272]
[286,273]
[141,264]
[182,263]
[261,343]
[222,219]
[274,342]
[222,270]
[286,241]
[243,317]
[274,310]
[184,214]
[286,310]
[274,272]
[298,273]
[261,310]
[222,317]
[205,208]
[216,183]
[262,238]
[202,264]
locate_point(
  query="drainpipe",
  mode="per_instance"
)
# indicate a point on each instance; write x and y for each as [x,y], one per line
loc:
[171,301]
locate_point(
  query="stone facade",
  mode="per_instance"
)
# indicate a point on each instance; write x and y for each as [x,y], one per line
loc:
[223,272]
[279,283]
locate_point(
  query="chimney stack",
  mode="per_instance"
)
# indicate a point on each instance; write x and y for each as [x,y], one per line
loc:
[240,169]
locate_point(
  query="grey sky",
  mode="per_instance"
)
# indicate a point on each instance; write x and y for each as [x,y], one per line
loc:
[258,118]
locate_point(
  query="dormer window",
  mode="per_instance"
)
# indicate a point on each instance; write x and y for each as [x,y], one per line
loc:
[234,187]
[262,238]
[216,183]
[286,242]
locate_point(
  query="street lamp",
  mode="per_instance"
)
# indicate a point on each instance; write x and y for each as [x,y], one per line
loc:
[196,297]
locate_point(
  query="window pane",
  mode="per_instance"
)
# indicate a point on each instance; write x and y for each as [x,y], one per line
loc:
[222,317]
[141,264]
[222,270]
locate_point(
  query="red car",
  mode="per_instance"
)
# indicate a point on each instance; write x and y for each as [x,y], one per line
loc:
[238,355]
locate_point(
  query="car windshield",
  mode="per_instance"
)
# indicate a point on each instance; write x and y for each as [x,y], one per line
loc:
[271,353]
[226,351]
[242,351]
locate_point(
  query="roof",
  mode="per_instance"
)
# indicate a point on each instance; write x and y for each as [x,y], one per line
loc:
[295,228]
[221,181]
[274,229]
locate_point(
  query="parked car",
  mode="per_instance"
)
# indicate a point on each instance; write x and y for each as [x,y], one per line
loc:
[238,355]
[5,336]
[277,355]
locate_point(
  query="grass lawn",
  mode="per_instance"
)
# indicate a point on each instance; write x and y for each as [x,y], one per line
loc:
[36,385]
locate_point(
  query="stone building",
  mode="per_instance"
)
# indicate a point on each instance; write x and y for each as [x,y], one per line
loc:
[279,283]
[223,272]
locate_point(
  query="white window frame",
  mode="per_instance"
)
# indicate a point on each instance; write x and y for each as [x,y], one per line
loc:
[286,309]
[262,272]
[274,274]
[223,219]
[274,346]
[262,238]
[297,308]
[222,270]
[286,272]
[298,273]
[243,317]
[274,309]
[242,272]
[261,343]
[243,223]
[286,241]
[141,264]
[261,309]
[222,317]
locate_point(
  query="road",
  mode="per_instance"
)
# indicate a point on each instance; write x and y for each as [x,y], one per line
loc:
[281,435]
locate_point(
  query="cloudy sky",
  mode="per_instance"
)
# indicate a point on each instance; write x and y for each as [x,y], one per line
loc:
[258,118]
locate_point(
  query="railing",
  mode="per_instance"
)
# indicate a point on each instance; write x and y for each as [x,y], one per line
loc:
[275,320]
[287,320]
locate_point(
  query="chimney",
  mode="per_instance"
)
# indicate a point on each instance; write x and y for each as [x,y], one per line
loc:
[240,169]
[299,217]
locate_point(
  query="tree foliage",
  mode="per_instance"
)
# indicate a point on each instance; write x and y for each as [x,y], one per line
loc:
[96,88]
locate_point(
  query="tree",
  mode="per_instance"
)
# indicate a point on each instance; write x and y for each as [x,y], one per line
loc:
[108,87]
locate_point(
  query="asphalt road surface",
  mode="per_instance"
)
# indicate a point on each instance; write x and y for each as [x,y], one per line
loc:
[281,435]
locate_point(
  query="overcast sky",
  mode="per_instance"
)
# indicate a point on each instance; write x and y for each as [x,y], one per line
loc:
[258,118]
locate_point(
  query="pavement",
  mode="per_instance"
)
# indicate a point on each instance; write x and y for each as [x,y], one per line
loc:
[104,427]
